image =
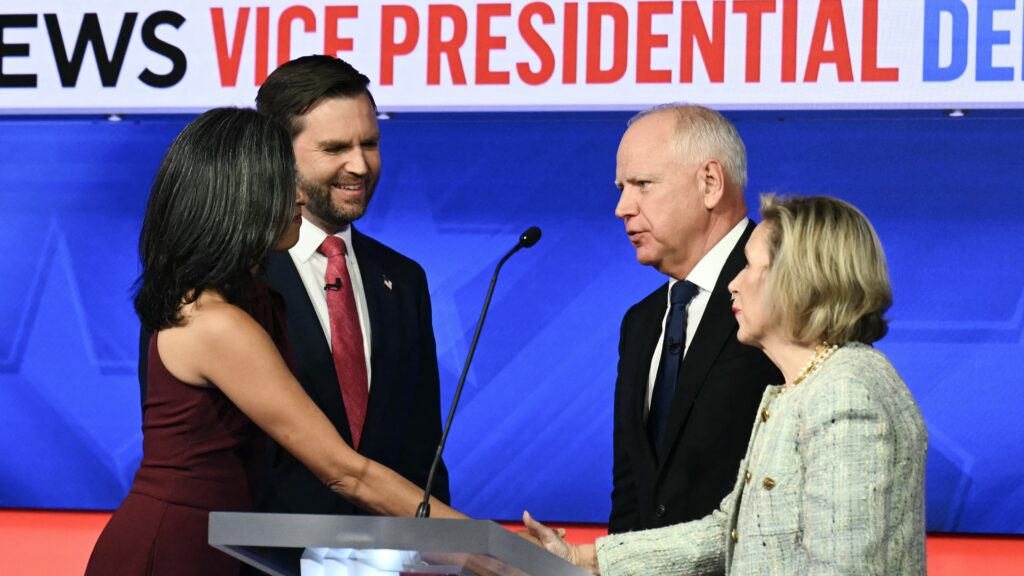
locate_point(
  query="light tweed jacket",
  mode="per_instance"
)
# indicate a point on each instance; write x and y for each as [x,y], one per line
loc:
[832,483]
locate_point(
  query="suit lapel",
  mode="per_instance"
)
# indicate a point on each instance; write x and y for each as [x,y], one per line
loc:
[384,332]
[651,314]
[716,327]
[314,364]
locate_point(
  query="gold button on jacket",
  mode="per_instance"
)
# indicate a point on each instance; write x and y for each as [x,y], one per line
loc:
[768,483]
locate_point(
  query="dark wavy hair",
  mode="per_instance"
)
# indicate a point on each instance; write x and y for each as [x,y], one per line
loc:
[220,202]
[296,86]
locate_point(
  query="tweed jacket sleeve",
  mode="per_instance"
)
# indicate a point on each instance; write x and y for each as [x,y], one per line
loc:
[696,547]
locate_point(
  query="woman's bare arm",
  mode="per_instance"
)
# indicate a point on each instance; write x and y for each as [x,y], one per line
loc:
[223,346]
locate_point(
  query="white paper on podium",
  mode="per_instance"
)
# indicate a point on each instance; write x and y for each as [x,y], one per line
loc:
[351,562]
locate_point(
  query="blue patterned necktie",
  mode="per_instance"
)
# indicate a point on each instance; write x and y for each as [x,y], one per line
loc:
[671,356]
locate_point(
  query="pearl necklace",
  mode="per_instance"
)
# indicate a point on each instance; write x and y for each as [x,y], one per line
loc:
[822,352]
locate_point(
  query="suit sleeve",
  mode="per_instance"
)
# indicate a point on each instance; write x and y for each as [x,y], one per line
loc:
[428,405]
[624,498]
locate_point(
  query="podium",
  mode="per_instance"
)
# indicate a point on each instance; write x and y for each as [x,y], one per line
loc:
[293,544]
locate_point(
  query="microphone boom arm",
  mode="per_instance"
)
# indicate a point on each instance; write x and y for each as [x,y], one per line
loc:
[526,240]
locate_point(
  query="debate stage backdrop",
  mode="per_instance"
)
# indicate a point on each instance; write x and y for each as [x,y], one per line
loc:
[534,427]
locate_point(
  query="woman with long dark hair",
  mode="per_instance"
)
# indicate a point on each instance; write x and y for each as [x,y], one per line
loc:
[224,196]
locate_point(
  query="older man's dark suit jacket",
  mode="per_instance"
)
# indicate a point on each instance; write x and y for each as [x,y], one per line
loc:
[717,393]
[403,419]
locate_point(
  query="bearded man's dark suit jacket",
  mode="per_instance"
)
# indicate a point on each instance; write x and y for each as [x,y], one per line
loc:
[403,418]
[718,391]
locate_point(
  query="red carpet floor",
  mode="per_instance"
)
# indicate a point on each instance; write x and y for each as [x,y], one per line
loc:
[46,542]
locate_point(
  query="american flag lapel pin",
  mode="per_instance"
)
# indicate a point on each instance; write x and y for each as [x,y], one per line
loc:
[387,283]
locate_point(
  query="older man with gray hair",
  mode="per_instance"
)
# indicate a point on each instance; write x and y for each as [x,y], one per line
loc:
[687,390]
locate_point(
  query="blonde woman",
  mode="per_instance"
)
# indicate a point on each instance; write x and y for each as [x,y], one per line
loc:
[833,478]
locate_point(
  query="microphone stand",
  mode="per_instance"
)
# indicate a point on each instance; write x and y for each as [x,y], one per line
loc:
[526,240]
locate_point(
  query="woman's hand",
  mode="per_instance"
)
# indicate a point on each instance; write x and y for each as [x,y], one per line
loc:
[582,556]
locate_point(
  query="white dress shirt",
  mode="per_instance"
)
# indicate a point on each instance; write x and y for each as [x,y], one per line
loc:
[312,268]
[704,275]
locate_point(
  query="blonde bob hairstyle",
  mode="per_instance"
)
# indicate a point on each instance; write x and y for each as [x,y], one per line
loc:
[827,279]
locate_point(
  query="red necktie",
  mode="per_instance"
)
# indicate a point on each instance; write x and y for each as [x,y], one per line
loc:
[346,336]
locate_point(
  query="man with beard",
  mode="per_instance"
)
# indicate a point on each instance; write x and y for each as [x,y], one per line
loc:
[358,313]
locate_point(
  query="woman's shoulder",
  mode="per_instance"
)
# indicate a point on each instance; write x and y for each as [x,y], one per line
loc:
[858,379]
[213,317]
[213,333]
[854,375]
[857,364]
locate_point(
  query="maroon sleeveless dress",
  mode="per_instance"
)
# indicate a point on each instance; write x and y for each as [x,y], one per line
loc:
[200,453]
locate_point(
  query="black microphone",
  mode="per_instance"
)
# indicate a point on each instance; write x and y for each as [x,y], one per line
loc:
[336,285]
[526,240]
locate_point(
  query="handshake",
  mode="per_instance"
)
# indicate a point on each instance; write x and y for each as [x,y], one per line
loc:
[553,540]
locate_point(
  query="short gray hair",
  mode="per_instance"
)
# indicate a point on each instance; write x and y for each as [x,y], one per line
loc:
[702,133]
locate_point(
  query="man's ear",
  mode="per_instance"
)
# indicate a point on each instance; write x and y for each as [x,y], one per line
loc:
[711,180]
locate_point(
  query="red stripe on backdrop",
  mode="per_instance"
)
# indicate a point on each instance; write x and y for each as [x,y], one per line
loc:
[35,542]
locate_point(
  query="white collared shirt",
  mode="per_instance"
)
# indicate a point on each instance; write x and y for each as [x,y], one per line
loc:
[312,268]
[705,275]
